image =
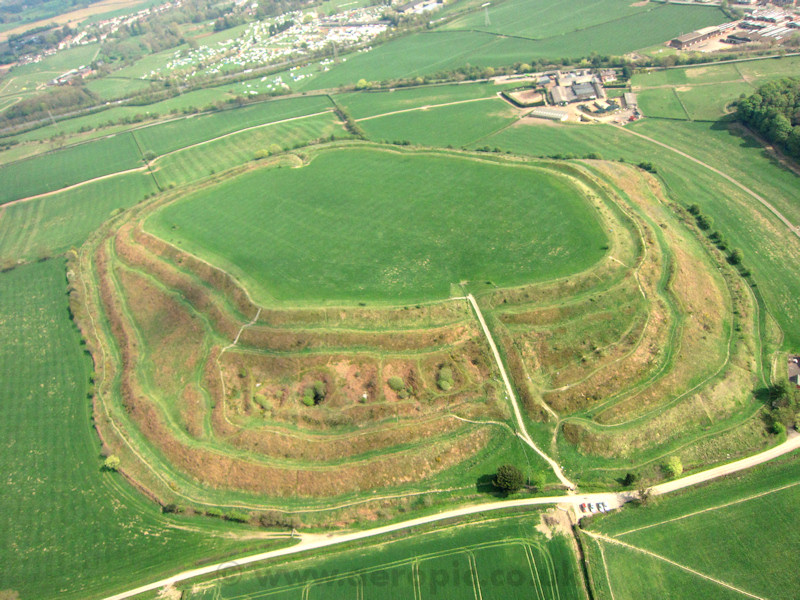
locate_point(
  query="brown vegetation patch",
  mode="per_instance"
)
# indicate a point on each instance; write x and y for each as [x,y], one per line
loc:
[210,275]
[406,317]
[625,293]
[283,444]
[198,296]
[192,409]
[173,338]
[288,340]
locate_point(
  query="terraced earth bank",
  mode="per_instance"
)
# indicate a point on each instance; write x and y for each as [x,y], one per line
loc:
[295,332]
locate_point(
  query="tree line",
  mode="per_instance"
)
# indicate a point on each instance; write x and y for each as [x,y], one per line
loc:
[774,112]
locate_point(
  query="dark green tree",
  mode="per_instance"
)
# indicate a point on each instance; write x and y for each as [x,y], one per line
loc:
[509,479]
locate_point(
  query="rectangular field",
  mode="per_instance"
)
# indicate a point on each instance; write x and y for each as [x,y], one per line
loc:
[53,224]
[168,137]
[190,164]
[662,103]
[367,104]
[455,125]
[736,532]
[501,558]
[711,102]
[69,166]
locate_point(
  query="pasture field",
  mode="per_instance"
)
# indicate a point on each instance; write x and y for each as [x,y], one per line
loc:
[427,53]
[52,225]
[723,73]
[381,256]
[454,126]
[195,162]
[501,557]
[662,103]
[699,102]
[112,86]
[711,102]
[68,529]
[763,70]
[162,138]
[737,530]
[61,168]
[539,19]
[368,104]
[707,91]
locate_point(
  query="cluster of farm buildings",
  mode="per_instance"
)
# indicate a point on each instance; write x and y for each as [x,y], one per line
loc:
[583,87]
[768,24]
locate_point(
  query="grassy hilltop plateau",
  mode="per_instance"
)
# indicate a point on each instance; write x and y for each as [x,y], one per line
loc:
[308,299]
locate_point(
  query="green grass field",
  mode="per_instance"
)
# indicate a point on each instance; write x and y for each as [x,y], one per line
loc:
[367,104]
[430,52]
[327,232]
[711,102]
[661,103]
[456,125]
[539,19]
[705,92]
[53,224]
[69,530]
[173,135]
[189,164]
[69,166]
[500,558]
[738,531]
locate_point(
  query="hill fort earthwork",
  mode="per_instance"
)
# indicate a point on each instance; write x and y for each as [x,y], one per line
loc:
[275,354]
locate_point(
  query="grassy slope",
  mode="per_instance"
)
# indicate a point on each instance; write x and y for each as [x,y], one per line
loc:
[68,530]
[319,233]
[744,537]
[739,217]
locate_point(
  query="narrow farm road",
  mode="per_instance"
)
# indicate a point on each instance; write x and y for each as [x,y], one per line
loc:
[315,541]
[74,185]
[791,443]
[794,229]
[523,432]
